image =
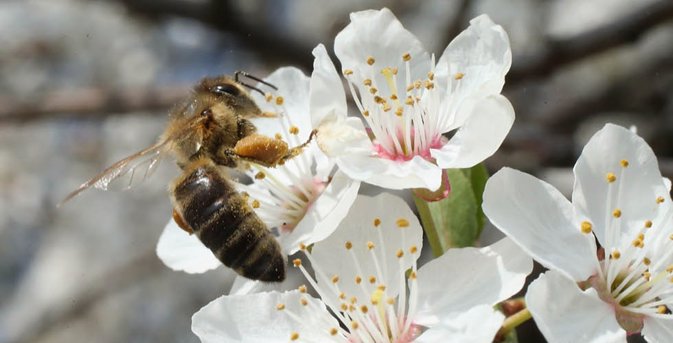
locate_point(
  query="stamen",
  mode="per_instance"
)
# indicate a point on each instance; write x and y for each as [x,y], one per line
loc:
[370,60]
[294,130]
[377,222]
[624,163]
[617,213]
[294,336]
[279,100]
[648,224]
[660,200]
[458,76]
[406,57]
[611,177]
[586,227]
[260,175]
[402,223]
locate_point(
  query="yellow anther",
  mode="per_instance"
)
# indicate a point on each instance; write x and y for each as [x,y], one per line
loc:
[364,309]
[406,57]
[412,275]
[409,101]
[662,309]
[617,213]
[670,237]
[260,175]
[355,325]
[386,107]
[373,90]
[381,287]
[377,222]
[370,60]
[268,97]
[302,246]
[624,163]
[344,307]
[615,255]
[372,279]
[648,224]
[333,331]
[417,84]
[399,253]
[637,243]
[280,307]
[296,262]
[660,200]
[431,76]
[458,76]
[399,111]
[646,261]
[394,71]
[348,245]
[367,82]
[294,130]
[393,97]
[611,177]
[365,113]
[402,222]
[278,136]
[390,301]
[410,87]
[586,227]
[641,236]
[647,276]
[335,278]
[342,295]
[255,203]
[279,100]
[669,269]
[302,289]
[354,300]
[348,72]
[303,301]
[413,249]
[429,85]
[379,100]
[294,336]
[370,245]
[358,279]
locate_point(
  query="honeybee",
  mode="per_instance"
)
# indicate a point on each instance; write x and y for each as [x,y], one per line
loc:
[209,130]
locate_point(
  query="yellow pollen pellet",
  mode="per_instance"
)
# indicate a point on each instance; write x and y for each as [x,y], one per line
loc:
[355,325]
[611,177]
[406,57]
[294,130]
[402,222]
[660,200]
[358,279]
[372,279]
[377,222]
[335,278]
[348,245]
[412,275]
[646,261]
[616,255]
[260,175]
[624,163]
[386,107]
[367,82]
[268,97]
[342,295]
[279,100]
[586,227]
[364,309]
[617,213]
[370,60]
[348,72]
[280,307]
[431,76]
[662,309]
[303,301]
[458,76]
[370,245]
[294,336]
[296,262]
[365,113]
[333,331]
[409,101]
[302,289]
[278,136]
[399,111]
[648,224]
[413,249]
[399,253]
[255,203]
[373,90]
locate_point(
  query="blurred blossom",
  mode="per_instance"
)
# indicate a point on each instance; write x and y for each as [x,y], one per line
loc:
[371,290]
[305,199]
[620,201]
[410,102]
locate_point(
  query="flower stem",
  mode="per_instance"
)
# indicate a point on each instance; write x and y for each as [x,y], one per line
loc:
[429,226]
[513,321]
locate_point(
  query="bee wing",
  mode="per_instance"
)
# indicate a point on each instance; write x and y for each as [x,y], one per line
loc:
[136,168]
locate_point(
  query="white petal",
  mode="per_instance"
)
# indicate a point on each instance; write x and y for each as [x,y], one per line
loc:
[385,173]
[183,252]
[658,330]
[476,325]
[565,313]
[380,35]
[254,318]
[635,190]
[344,137]
[480,135]
[327,97]
[445,285]
[324,215]
[482,54]
[358,228]
[243,285]
[537,217]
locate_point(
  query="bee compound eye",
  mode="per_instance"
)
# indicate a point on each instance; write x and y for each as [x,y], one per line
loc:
[225,89]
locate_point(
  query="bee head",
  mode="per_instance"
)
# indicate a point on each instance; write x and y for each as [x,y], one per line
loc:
[230,93]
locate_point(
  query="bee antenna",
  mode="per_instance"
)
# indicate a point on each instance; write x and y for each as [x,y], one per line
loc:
[245,74]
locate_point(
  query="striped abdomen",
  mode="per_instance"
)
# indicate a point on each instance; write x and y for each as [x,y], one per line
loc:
[226,224]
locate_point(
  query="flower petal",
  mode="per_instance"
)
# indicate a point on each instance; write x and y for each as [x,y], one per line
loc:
[378,34]
[398,228]
[481,54]
[445,285]
[634,190]
[541,220]
[475,325]
[658,330]
[324,215]
[183,252]
[326,96]
[385,173]
[344,137]
[565,313]
[480,136]
[255,318]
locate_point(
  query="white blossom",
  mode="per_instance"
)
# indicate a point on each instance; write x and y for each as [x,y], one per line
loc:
[619,200]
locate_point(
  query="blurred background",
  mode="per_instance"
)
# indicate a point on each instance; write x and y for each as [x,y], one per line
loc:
[84,83]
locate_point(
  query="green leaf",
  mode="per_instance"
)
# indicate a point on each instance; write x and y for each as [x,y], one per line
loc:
[456,221]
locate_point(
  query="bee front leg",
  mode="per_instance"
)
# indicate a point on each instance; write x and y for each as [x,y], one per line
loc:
[294,152]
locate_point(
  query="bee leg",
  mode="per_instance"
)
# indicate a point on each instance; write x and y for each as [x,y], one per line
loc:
[245,128]
[294,152]
[181,222]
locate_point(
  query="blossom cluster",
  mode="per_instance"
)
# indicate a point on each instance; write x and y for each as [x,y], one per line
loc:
[358,276]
